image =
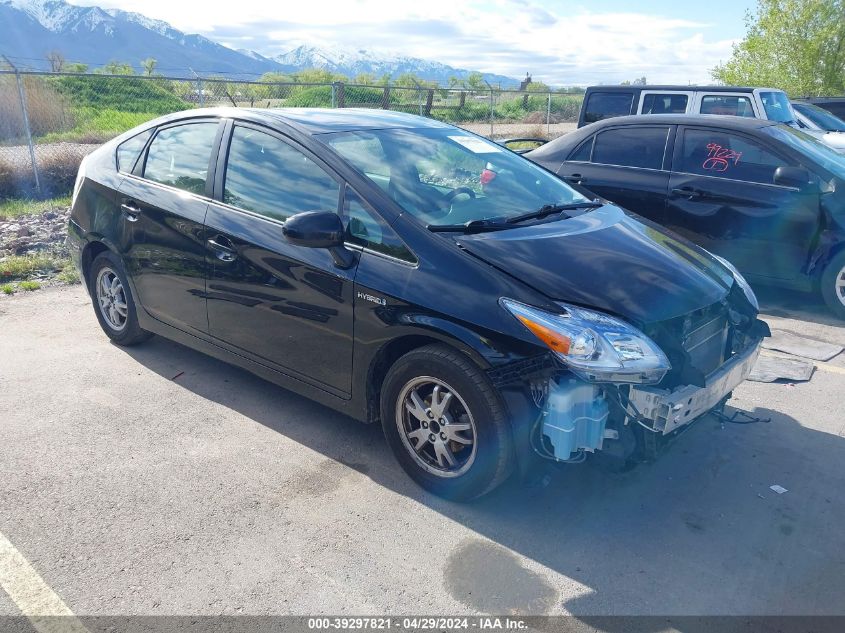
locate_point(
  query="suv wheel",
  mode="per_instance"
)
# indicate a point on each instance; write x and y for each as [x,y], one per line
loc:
[445,423]
[833,284]
[113,302]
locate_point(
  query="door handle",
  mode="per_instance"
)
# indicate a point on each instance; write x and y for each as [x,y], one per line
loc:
[223,248]
[130,211]
[688,192]
[574,178]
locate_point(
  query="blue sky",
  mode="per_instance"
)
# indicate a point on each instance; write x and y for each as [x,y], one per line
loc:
[557,42]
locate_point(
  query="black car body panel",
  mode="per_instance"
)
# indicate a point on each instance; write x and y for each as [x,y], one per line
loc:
[607,260]
[740,219]
[223,279]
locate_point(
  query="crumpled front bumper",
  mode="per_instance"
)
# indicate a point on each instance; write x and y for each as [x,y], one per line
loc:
[669,410]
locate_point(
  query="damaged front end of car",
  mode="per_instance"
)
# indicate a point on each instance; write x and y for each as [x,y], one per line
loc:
[614,392]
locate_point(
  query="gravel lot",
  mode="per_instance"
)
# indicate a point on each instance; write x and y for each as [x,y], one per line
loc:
[155,480]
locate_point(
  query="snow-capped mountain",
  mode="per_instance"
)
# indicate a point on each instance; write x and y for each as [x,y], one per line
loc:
[31,29]
[351,62]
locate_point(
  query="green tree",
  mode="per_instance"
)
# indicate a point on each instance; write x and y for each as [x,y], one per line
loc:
[77,67]
[318,76]
[538,86]
[149,66]
[475,81]
[796,45]
[116,68]
[365,79]
[275,78]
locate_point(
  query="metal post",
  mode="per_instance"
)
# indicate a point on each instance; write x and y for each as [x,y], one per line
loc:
[200,95]
[419,95]
[491,112]
[549,116]
[491,107]
[334,96]
[22,97]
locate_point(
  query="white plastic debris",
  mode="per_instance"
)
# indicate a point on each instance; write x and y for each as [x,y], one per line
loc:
[778,489]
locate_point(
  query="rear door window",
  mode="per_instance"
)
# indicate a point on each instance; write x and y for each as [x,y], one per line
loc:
[664,103]
[631,146]
[725,155]
[179,156]
[603,105]
[727,104]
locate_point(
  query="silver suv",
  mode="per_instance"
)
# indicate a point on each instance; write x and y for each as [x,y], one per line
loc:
[602,102]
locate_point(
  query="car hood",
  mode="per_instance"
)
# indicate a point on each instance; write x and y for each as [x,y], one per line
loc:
[609,261]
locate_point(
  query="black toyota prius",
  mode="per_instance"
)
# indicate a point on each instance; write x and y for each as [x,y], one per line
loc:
[412,274]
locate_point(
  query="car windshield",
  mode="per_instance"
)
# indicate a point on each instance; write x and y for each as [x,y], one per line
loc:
[446,176]
[821,117]
[820,153]
[777,106]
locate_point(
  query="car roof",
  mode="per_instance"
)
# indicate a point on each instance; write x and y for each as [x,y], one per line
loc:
[722,120]
[315,120]
[680,88]
[719,120]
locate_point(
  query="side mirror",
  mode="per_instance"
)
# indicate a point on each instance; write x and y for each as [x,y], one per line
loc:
[314,229]
[319,229]
[797,177]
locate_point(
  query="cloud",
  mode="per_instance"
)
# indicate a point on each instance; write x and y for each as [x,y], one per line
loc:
[556,44]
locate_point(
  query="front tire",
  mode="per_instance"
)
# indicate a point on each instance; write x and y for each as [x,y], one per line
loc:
[445,423]
[833,284]
[113,301]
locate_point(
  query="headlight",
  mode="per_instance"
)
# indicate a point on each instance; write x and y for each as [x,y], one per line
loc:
[596,346]
[740,281]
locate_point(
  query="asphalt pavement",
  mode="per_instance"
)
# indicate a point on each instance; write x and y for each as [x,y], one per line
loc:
[157,481]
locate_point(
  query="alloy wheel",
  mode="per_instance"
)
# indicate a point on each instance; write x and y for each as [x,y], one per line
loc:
[839,288]
[436,426]
[111,298]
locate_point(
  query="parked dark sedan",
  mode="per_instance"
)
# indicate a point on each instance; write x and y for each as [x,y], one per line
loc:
[407,272]
[765,196]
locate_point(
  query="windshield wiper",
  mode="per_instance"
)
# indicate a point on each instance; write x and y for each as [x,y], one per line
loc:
[496,224]
[551,209]
[473,226]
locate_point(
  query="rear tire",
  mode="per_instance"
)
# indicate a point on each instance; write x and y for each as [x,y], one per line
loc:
[833,284]
[445,423]
[113,302]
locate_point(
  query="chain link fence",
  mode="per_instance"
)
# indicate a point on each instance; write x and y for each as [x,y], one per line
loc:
[50,121]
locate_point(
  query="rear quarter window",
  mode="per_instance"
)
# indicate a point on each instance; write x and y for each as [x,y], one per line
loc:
[583,152]
[129,150]
[603,105]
